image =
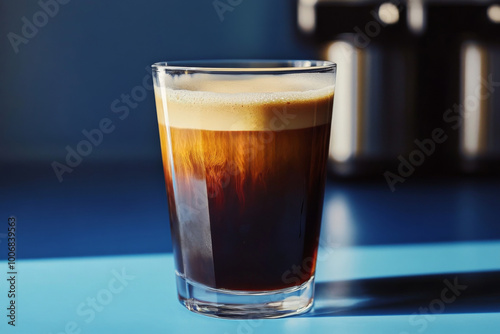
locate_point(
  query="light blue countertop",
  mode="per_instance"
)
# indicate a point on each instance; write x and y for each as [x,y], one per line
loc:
[355,285]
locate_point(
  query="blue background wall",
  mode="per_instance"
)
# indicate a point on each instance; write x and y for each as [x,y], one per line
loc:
[67,75]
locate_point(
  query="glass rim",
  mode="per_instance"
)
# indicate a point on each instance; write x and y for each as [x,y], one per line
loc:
[246,66]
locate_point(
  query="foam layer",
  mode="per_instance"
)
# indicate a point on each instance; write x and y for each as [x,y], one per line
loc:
[248,103]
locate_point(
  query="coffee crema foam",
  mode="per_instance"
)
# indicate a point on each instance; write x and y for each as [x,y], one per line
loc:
[248,103]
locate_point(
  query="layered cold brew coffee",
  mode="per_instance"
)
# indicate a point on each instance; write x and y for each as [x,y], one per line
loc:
[245,167]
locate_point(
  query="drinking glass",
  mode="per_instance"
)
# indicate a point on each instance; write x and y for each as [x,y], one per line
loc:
[245,146]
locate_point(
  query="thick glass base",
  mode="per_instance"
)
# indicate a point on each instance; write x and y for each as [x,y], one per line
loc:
[223,303]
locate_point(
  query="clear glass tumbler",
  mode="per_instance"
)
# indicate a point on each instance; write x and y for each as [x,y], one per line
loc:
[245,146]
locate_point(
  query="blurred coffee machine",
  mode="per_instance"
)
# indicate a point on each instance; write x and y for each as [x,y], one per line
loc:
[418,81]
